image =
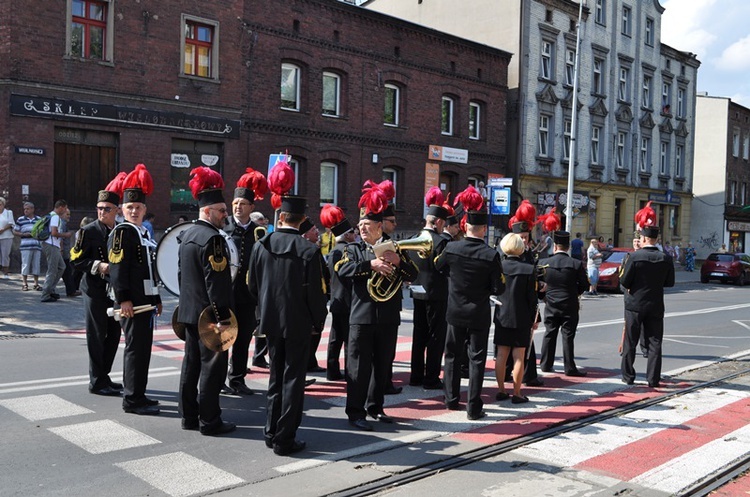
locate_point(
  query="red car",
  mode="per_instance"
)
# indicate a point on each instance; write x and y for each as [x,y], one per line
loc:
[726,267]
[609,271]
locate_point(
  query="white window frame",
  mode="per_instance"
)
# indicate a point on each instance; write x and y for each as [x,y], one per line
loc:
[664,159]
[746,147]
[570,64]
[678,159]
[680,102]
[544,136]
[627,20]
[395,92]
[649,34]
[647,82]
[666,96]
[620,149]
[328,78]
[595,142]
[645,162]
[294,164]
[743,194]
[599,12]
[567,134]
[447,106]
[548,59]
[598,81]
[624,84]
[293,72]
[109,35]
[391,174]
[475,123]
[732,193]
[335,168]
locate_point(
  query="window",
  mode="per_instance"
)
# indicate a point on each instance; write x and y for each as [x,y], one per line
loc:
[743,194]
[664,159]
[624,85]
[649,32]
[198,49]
[666,98]
[736,143]
[732,199]
[595,133]
[391,174]
[620,149]
[548,57]
[294,164]
[328,183]
[598,82]
[646,98]
[392,96]
[645,162]
[570,62]
[290,87]
[599,13]
[680,102]
[446,123]
[475,120]
[566,139]
[331,94]
[544,136]
[746,148]
[678,161]
[192,153]
[626,21]
[88,30]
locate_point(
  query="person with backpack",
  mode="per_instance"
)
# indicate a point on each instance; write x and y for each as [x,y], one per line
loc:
[52,252]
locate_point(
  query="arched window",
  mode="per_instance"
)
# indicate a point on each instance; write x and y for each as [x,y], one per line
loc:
[391,174]
[329,181]
[392,105]
[290,86]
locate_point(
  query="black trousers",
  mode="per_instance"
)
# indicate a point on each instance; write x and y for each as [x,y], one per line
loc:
[369,359]
[454,357]
[651,324]
[245,313]
[102,339]
[337,339]
[428,343]
[312,360]
[286,385]
[139,337]
[564,322]
[201,380]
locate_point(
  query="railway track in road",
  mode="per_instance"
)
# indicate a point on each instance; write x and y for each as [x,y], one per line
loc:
[725,475]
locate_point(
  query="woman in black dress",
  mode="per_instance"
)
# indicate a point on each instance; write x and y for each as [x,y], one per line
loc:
[515,316]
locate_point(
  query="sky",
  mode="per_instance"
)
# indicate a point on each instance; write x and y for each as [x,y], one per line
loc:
[718,32]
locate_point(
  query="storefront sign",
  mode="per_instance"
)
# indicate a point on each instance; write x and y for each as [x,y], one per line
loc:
[667,197]
[738,226]
[30,150]
[447,154]
[73,110]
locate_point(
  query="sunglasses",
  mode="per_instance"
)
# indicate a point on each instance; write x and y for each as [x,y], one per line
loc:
[104,209]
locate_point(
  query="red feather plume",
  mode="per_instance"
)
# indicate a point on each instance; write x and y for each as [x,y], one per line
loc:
[526,212]
[388,189]
[117,185]
[645,216]
[513,220]
[434,196]
[331,215]
[204,178]
[550,221]
[447,205]
[255,181]
[471,199]
[373,198]
[139,178]
[280,181]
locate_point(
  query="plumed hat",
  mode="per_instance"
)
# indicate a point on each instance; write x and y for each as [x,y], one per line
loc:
[251,186]
[206,186]
[524,219]
[473,206]
[373,201]
[113,191]
[333,218]
[137,185]
[280,182]
[645,217]
[434,201]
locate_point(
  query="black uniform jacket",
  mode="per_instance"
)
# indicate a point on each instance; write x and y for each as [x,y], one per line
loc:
[566,279]
[91,249]
[203,273]
[131,270]
[435,283]
[341,289]
[644,274]
[244,239]
[474,272]
[519,300]
[286,280]
[355,267]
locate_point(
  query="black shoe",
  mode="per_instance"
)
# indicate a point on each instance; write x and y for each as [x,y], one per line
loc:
[227,390]
[116,386]
[77,293]
[151,402]
[269,441]
[519,399]
[49,299]
[393,390]
[434,386]
[501,396]
[106,391]
[453,406]
[285,450]
[476,416]
[190,424]
[309,382]
[334,375]
[361,424]
[547,370]
[55,295]
[577,373]
[219,429]
[381,416]
[315,369]
[240,389]
[415,383]
[652,384]
[260,363]
[536,382]
[628,382]
[143,410]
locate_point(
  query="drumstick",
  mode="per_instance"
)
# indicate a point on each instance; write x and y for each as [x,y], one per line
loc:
[115,313]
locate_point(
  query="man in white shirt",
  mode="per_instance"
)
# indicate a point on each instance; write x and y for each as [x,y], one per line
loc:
[51,250]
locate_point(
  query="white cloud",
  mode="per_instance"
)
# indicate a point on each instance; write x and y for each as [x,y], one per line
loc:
[736,57]
[683,25]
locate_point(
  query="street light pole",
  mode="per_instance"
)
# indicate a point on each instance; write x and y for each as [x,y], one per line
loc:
[574,127]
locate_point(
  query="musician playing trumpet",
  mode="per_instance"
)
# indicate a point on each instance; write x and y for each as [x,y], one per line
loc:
[374,315]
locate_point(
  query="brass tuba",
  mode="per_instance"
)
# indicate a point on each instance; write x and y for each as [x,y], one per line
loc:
[382,288]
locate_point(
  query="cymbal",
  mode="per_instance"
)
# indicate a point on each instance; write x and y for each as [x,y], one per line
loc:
[212,338]
[178,328]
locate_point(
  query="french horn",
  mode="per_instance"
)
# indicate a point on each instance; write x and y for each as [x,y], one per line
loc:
[382,288]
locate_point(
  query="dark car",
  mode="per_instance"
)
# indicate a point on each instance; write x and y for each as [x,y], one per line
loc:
[726,267]
[609,271]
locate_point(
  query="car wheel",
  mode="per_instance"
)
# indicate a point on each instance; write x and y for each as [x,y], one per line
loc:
[704,279]
[741,279]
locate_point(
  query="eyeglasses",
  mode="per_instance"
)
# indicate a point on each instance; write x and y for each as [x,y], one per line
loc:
[222,210]
[390,220]
[104,209]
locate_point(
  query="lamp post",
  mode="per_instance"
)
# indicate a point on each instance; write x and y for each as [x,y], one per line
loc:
[573,126]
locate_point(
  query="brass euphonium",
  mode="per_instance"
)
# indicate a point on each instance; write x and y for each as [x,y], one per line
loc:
[382,288]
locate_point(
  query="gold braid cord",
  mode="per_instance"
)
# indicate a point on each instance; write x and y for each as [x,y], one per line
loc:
[217,259]
[116,253]
[344,259]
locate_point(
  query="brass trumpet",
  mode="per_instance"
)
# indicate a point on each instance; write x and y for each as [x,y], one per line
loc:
[382,288]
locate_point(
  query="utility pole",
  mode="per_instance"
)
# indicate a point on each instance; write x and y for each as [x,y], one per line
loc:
[574,127]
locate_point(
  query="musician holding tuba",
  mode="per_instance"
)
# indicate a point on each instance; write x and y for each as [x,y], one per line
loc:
[374,318]
[205,287]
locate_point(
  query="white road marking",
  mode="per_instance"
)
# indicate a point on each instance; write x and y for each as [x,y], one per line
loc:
[180,475]
[61,383]
[707,310]
[100,437]
[41,407]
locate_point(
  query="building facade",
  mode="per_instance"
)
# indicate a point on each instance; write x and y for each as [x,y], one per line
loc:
[635,106]
[721,207]
[348,93]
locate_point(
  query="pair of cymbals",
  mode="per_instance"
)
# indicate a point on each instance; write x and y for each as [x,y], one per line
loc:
[213,337]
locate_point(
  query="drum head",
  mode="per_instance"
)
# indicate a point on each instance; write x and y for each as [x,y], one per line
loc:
[167,258]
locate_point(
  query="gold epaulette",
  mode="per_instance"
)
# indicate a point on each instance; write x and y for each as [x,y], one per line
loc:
[217,259]
[116,253]
[75,251]
[344,259]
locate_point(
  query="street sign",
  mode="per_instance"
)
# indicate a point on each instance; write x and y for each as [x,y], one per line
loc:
[274,159]
[500,205]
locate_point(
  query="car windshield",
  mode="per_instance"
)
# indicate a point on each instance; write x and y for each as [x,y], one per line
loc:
[721,257]
[615,257]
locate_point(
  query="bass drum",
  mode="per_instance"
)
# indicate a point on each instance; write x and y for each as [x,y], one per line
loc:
[167,257]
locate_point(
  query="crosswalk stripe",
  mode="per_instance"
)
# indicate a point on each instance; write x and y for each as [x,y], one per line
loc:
[100,437]
[40,407]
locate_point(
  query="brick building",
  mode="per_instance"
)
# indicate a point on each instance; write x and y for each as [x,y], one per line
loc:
[349,93]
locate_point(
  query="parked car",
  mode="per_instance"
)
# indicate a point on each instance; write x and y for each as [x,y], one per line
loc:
[609,271]
[726,267]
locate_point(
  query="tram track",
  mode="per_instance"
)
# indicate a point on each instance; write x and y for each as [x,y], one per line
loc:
[469,457]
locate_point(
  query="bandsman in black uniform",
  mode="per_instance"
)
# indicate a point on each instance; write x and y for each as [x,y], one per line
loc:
[205,283]
[474,272]
[430,302]
[373,325]
[566,280]
[310,232]
[245,233]
[644,274]
[131,269]
[389,230]
[89,256]
[334,219]
[286,281]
